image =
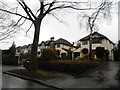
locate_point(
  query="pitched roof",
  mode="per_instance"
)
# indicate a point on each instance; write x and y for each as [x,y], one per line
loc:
[59,41]
[23,47]
[99,36]
[45,43]
[63,41]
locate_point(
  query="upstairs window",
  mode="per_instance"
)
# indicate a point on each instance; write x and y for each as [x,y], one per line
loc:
[96,40]
[84,42]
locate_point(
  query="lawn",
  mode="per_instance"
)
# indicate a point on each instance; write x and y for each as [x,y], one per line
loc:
[38,74]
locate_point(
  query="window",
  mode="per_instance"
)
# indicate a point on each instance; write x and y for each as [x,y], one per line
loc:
[84,42]
[96,40]
[58,46]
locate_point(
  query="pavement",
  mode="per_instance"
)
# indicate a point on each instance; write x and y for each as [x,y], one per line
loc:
[102,78]
[11,80]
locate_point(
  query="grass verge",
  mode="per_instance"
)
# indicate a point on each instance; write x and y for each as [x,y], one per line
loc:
[38,74]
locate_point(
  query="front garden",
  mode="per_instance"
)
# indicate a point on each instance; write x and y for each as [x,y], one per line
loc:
[49,62]
[37,74]
[77,66]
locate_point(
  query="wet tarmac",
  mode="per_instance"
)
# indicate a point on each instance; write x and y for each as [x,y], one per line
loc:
[100,78]
[14,82]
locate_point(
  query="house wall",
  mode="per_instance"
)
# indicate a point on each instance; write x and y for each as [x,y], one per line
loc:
[104,43]
[60,48]
[93,45]
[65,47]
[109,46]
[24,51]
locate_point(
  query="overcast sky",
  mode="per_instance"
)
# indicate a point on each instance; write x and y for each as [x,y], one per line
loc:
[70,30]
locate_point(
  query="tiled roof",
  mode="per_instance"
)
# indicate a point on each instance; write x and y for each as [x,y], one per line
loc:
[59,41]
[99,36]
[63,41]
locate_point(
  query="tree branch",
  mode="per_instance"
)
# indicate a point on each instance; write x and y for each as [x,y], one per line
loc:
[14,13]
[18,21]
[29,10]
[61,7]
[56,17]
[29,28]
[26,10]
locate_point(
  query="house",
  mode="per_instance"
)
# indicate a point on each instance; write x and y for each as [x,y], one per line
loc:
[22,49]
[63,46]
[29,49]
[98,40]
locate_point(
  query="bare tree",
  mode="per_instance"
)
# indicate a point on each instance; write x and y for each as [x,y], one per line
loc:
[46,7]
[102,9]
[7,27]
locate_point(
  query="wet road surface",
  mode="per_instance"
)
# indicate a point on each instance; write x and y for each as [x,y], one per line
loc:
[100,78]
[0,77]
[14,82]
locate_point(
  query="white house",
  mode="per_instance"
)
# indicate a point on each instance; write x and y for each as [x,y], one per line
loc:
[98,40]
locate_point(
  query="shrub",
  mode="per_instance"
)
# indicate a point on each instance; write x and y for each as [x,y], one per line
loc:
[71,66]
[85,51]
[8,56]
[84,57]
[106,54]
[22,61]
[100,52]
[48,55]
[24,56]
[9,60]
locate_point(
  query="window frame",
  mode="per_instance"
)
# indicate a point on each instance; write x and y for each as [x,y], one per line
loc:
[96,41]
[84,42]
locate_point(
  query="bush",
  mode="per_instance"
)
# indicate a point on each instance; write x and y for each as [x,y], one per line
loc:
[85,51]
[48,55]
[69,66]
[24,56]
[22,61]
[8,56]
[100,52]
[9,60]
[84,57]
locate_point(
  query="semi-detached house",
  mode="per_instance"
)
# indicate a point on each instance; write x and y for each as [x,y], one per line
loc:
[98,40]
[62,45]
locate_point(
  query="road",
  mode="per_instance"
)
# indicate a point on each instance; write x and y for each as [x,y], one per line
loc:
[0,76]
[14,82]
[99,78]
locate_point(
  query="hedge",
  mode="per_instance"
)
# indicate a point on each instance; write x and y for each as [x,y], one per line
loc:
[69,66]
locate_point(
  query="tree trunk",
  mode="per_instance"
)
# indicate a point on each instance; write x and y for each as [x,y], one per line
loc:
[33,60]
[90,47]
